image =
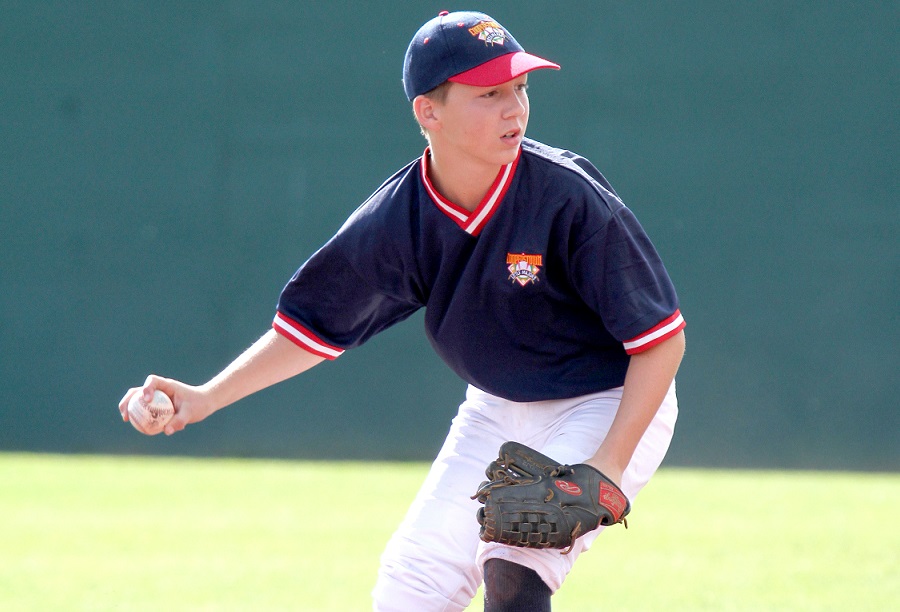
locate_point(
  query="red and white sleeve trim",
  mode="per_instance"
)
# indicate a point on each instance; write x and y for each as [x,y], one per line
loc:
[304,338]
[472,222]
[655,335]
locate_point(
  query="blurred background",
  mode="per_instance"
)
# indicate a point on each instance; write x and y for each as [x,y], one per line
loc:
[166,166]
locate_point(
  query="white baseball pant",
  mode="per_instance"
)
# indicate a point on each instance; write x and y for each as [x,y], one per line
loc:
[434,561]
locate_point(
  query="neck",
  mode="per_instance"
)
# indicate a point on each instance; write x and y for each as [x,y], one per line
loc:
[465,183]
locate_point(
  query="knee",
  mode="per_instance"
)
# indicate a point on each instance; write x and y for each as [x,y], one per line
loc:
[405,585]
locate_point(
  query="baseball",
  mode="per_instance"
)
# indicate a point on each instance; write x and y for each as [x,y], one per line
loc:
[150,418]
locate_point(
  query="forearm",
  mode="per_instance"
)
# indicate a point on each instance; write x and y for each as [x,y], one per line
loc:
[270,360]
[647,381]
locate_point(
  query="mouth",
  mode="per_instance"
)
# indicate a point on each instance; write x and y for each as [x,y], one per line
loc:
[511,135]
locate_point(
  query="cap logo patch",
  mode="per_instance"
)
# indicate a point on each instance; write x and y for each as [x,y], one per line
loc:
[490,32]
[523,269]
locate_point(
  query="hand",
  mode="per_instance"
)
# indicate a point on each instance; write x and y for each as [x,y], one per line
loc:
[191,404]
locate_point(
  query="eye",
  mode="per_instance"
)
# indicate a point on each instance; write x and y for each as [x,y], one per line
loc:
[522,87]
[490,94]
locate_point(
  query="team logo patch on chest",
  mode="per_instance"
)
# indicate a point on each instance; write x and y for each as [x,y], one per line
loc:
[524,268]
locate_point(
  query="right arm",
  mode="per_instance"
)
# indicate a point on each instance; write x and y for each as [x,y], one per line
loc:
[270,360]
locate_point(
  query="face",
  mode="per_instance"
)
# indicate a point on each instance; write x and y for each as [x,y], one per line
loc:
[481,124]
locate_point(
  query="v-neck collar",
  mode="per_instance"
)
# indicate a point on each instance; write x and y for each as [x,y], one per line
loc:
[472,222]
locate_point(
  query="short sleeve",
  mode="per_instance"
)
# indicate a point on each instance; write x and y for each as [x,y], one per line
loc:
[347,292]
[620,275]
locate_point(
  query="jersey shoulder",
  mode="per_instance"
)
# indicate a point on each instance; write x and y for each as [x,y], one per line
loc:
[570,171]
[394,196]
[568,189]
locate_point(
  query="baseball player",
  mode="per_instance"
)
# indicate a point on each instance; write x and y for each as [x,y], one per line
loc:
[541,291]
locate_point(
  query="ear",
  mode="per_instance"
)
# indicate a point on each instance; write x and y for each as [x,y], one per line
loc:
[427,112]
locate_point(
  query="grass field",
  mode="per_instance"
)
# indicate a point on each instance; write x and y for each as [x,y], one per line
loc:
[114,533]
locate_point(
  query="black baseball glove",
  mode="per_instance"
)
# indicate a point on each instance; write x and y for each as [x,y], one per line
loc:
[532,501]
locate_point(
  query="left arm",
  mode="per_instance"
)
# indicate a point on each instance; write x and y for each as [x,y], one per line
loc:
[647,381]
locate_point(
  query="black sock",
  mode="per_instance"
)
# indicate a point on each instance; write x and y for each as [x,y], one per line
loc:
[510,587]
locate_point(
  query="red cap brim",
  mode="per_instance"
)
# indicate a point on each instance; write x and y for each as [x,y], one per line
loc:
[502,69]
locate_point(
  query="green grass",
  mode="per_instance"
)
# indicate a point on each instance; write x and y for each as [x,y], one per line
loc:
[114,533]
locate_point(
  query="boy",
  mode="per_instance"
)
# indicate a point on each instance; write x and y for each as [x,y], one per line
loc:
[541,291]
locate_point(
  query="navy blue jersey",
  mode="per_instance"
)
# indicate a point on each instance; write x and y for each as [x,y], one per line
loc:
[541,292]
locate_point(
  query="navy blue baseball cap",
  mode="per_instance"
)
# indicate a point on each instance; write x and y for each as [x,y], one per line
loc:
[464,47]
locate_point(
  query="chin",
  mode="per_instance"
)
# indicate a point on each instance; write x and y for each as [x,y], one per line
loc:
[509,157]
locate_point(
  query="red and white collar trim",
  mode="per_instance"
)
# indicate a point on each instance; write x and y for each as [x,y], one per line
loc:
[472,222]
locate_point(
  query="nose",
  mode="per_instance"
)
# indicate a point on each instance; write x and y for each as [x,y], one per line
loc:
[517,105]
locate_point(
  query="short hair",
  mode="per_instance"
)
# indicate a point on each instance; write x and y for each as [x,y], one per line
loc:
[439,93]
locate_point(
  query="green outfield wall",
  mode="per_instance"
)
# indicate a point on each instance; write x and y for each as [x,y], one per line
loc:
[166,166]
